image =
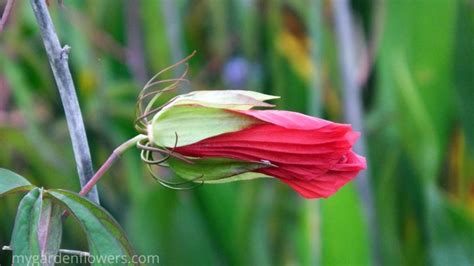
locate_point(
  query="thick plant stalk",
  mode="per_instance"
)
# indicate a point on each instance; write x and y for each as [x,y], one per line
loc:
[353,114]
[6,14]
[58,59]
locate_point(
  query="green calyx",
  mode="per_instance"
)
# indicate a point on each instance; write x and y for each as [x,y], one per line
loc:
[228,99]
[196,116]
[202,114]
[187,124]
[216,170]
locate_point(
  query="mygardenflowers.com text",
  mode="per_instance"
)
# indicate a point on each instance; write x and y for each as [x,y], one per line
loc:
[77,259]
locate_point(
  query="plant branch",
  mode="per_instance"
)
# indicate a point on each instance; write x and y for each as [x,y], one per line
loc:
[353,114]
[108,163]
[6,14]
[58,59]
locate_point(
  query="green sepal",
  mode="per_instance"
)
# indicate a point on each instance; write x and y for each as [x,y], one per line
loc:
[227,99]
[216,170]
[239,177]
[192,123]
[11,182]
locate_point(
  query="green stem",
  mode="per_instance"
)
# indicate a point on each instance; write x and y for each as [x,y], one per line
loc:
[114,156]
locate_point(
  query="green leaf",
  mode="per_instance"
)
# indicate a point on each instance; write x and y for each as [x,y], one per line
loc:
[416,87]
[50,228]
[229,99]
[344,234]
[451,231]
[25,243]
[463,66]
[104,234]
[154,32]
[194,123]
[38,229]
[216,170]
[11,182]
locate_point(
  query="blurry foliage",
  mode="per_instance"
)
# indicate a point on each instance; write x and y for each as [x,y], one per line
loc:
[419,118]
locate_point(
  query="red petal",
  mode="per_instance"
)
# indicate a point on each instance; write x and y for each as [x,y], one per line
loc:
[312,155]
[292,120]
[328,158]
[324,186]
[274,133]
[311,183]
[275,144]
[308,189]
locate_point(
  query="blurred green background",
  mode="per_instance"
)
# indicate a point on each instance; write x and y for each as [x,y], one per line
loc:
[415,71]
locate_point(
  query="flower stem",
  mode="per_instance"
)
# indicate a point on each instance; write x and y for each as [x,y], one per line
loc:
[108,163]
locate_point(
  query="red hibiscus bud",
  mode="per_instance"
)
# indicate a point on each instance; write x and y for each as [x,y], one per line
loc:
[223,140]
[215,137]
